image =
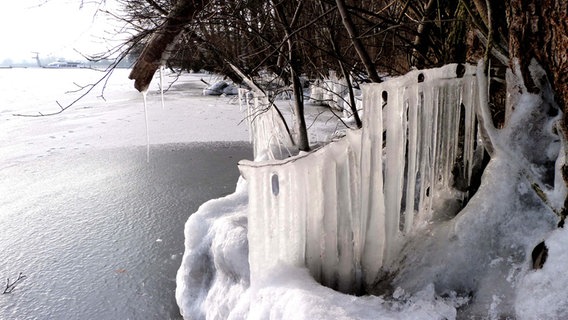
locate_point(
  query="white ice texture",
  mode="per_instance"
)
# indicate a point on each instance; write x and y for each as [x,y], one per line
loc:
[268,132]
[476,264]
[345,206]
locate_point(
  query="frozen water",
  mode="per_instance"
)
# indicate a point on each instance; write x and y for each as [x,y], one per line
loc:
[81,209]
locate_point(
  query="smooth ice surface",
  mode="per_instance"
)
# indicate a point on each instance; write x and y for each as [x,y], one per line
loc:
[100,235]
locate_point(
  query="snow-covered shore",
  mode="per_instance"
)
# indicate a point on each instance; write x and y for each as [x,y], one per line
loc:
[477,265]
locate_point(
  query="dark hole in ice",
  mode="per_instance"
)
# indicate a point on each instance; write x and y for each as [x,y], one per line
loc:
[275,184]
[460,70]
[552,111]
[385,96]
[539,255]
[420,77]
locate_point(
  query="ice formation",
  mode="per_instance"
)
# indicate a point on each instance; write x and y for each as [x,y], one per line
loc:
[146,124]
[268,132]
[355,226]
[486,249]
[332,91]
[346,213]
[213,280]
[162,86]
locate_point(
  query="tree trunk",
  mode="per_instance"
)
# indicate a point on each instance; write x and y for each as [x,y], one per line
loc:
[538,29]
[344,71]
[302,141]
[352,103]
[421,43]
[357,43]
[157,49]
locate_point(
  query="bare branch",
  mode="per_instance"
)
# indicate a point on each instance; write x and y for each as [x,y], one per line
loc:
[11,286]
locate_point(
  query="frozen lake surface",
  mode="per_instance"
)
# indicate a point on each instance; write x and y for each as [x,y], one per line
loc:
[100,236]
[98,230]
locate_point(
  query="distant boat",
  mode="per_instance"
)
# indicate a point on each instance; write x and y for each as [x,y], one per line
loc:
[65,64]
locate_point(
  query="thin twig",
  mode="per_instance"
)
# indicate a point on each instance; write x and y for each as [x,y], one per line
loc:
[11,286]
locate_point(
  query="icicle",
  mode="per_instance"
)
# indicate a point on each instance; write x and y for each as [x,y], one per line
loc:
[162,85]
[488,131]
[144,94]
[412,157]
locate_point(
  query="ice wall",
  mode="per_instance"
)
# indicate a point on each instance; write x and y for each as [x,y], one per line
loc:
[343,210]
[303,213]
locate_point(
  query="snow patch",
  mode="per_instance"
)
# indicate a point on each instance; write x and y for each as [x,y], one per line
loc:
[542,293]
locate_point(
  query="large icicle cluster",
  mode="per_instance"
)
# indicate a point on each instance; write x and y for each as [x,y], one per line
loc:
[304,211]
[333,211]
[431,146]
[486,250]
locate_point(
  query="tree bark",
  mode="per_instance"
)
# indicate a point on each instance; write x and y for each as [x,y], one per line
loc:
[421,43]
[357,43]
[156,51]
[302,141]
[539,29]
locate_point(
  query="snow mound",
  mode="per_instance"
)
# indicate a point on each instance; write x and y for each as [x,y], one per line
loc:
[292,293]
[219,88]
[214,272]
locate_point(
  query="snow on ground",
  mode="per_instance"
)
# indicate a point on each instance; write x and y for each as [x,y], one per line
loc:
[213,281]
[117,120]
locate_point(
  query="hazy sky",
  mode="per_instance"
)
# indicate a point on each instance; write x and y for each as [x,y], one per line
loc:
[50,27]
